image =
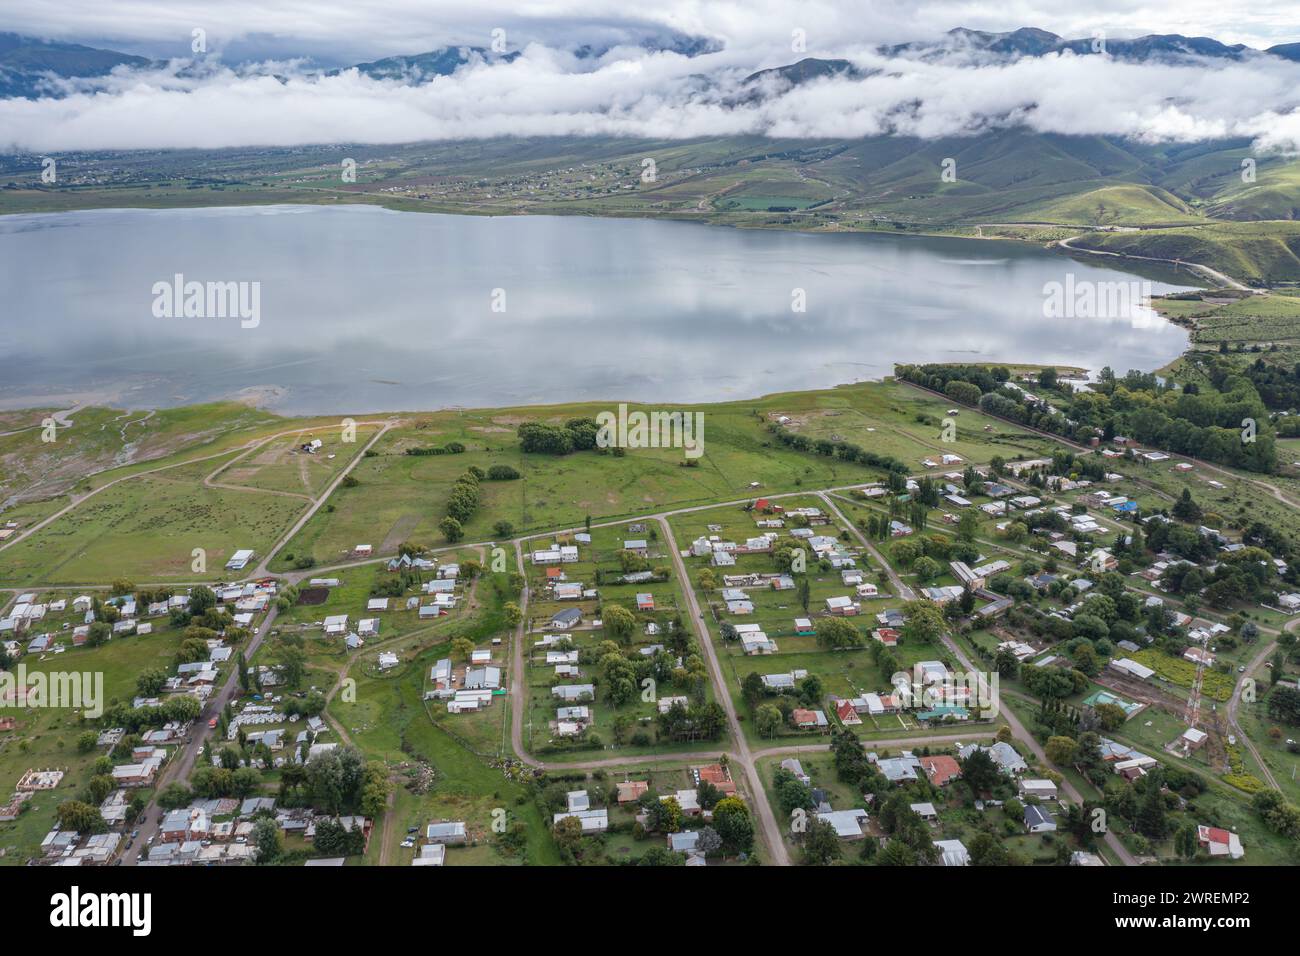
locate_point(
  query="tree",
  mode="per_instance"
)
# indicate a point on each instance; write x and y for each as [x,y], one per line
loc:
[1060,750]
[836,632]
[768,720]
[619,622]
[821,845]
[175,795]
[731,820]
[451,529]
[925,622]
[82,817]
[202,599]
[987,850]
[1111,716]
[291,663]
[462,648]
[926,569]
[149,682]
[503,529]
[1185,509]
[979,771]
[661,856]
[896,853]
[514,614]
[708,841]
[1152,821]
[1186,842]
[267,839]
[664,816]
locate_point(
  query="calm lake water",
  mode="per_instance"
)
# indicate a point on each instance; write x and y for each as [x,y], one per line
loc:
[365,310]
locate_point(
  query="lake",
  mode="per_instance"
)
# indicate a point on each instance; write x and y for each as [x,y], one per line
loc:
[361,309]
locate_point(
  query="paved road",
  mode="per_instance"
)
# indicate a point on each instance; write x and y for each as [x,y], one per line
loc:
[181,764]
[1234,703]
[1213,275]
[1272,489]
[1017,728]
[766,819]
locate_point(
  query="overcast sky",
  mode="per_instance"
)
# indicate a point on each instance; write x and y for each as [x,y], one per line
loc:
[628,91]
[346,30]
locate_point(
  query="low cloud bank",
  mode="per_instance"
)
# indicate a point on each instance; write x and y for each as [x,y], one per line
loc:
[629,92]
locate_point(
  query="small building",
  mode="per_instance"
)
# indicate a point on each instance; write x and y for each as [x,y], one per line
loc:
[1218,842]
[1038,820]
[1042,789]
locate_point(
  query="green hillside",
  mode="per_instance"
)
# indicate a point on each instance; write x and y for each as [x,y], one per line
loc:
[1260,253]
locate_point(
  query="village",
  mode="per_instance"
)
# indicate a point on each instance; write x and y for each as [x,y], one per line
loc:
[952,664]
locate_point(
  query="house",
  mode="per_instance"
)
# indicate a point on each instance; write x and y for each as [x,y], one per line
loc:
[336,624]
[1198,655]
[805,719]
[1038,820]
[952,853]
[637,546]
[1102,560]
[448,833]
[1192,739]
[847,713]
[717,775]
[886,635]
[431,854]
[684,842]
[1002,754]
[1043,789]
[925,811]
[593,821]
[778,682]
[941,769]
[842,606]
[574,691]
[848,824]
[795,767]
[897,769]
[630,791]
[1219,842]
[239,560]
[483,678]
[567,591]
[570,617]
[645,601]
[1131,668]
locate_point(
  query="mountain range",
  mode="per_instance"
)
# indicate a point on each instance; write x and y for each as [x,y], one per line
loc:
[28,65]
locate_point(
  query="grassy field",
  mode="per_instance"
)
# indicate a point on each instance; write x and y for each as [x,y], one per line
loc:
[45,738]
[146,530]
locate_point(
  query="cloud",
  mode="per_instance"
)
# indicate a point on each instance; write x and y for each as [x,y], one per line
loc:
[631,92]
[383,27]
